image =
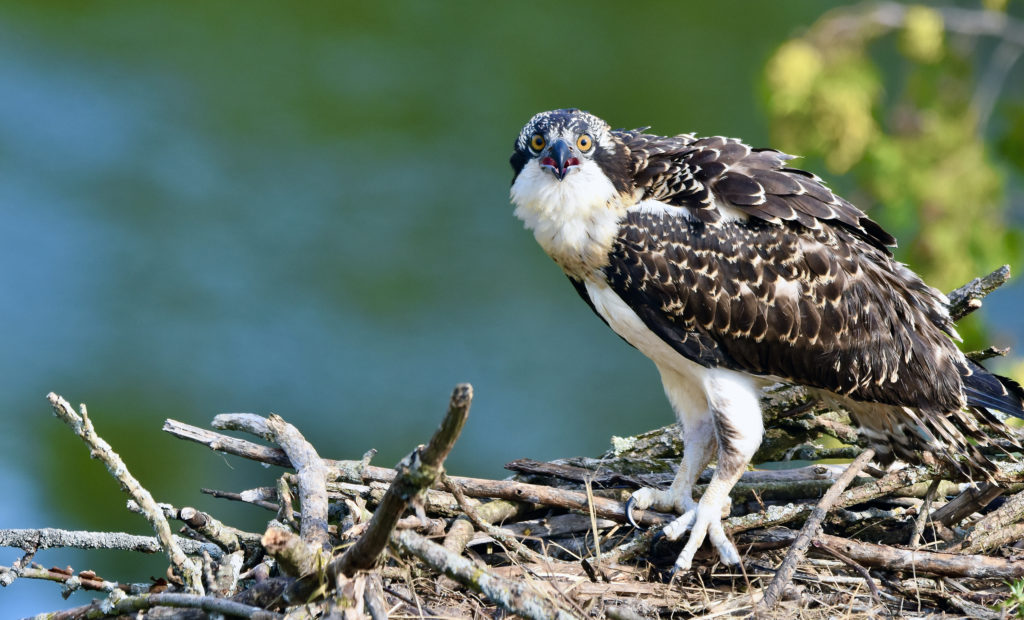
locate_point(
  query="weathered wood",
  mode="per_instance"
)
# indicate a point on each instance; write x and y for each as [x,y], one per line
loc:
[515,597]
[810,530]
[996,528]
[414,475]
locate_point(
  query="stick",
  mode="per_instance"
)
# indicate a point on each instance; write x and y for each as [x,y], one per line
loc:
[310,474]
[86,580]
[967,298]
[863,572]
[810,530]
[241,497]
[187,568]
[974,498]
[128,604]
[511,596]
[504,537]
[922,517]
[995,528]
[778,515]
[461,530]
[50,538]
[510,490]
[226,537]
[916,561]
[416,473]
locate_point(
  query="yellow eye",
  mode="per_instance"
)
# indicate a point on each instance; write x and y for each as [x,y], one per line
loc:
[583,143]
[537,142]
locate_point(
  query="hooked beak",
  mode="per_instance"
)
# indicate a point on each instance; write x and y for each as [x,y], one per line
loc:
[559,159]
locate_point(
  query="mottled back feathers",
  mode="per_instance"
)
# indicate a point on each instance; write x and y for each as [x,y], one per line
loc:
[695,172]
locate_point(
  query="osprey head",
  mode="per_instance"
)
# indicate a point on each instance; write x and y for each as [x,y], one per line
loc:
[573,181]
[563,143]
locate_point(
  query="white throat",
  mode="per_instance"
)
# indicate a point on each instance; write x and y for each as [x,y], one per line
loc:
[575,219]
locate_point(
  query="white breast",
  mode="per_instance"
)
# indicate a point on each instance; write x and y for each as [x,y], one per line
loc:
[575,219]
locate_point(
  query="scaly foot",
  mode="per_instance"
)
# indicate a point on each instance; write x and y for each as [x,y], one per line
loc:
[701,520]
[705,521]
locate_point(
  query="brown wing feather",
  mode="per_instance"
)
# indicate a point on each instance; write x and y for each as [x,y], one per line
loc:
[698,173]
[820,307]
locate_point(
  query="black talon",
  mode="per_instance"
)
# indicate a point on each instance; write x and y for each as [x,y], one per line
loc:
[630,503]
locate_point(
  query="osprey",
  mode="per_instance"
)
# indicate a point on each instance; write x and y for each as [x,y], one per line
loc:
[730,271]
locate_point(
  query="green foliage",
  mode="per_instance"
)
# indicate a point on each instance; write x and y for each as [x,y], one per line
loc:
[1014,603]
[908,131]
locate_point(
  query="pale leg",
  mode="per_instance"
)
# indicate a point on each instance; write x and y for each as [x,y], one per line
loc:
[738,428]
[686,396]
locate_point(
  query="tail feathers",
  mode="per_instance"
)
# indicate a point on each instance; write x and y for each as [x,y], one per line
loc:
[984,389]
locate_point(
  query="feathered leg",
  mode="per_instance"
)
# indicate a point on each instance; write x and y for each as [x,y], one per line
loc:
[720,408]
[686,395]
[739,428]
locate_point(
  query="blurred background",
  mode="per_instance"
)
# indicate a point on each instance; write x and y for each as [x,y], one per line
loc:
[303,209]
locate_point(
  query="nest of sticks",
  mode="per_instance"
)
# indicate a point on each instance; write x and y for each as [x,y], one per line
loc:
[348,539]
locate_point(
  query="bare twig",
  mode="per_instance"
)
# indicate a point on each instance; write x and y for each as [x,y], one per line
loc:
[416,473]
[48,538]
[506,538]
[922,517]
[967,298]
[241,497]
[86,580]
[128,604]
[310,473]
[777,515]
[810,530]
[511,596]
[227,538]
[186,567]
[863,572]
[461,530]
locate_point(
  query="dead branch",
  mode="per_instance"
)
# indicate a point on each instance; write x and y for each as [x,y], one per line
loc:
[302,456]
[995,528]
[967,298]
[141,602]
[923,514]
[245,497]
[227,538]
[415,474]
[777,515]
[86,580]
[187,568]
[294,556]
[50,538]
[512,596]
[946,564]
[914,561]
[973,499]
[461,530]
[810,530]
[860,570]
[505,538]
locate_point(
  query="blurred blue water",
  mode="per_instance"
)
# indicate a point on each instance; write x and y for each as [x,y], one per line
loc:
[304,210]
